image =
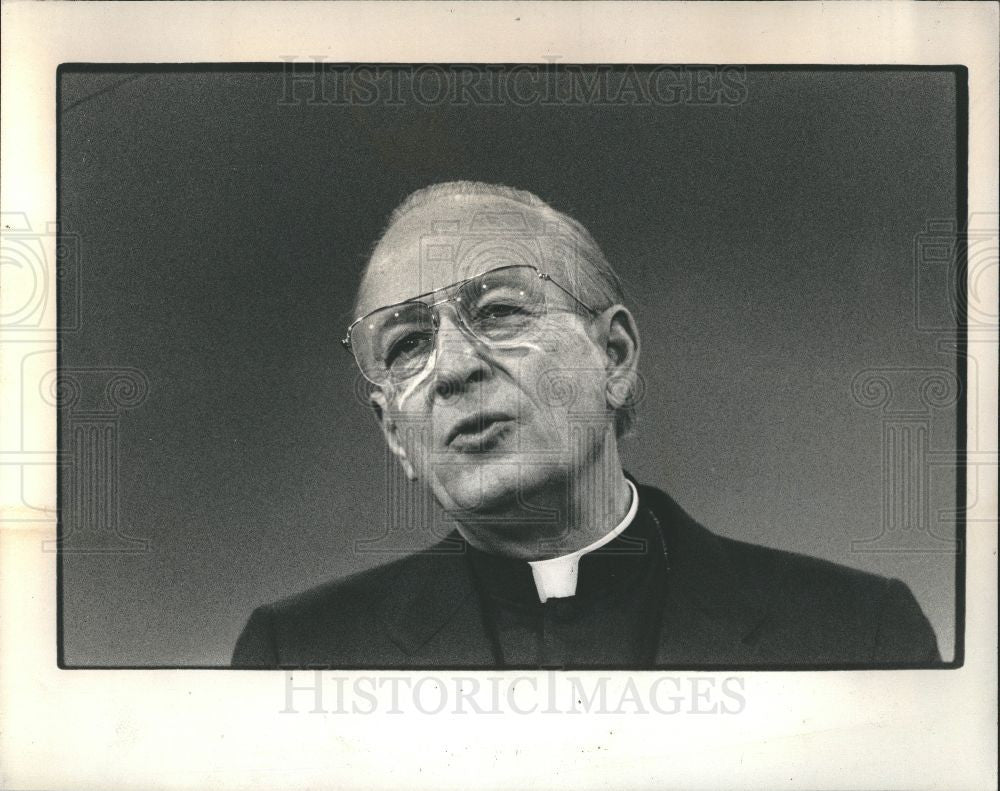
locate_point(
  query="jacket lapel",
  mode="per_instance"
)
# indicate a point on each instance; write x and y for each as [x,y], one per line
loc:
[711,609]
[434,614]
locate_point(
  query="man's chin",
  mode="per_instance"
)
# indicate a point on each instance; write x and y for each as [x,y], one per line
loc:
[477,490]
[484,488]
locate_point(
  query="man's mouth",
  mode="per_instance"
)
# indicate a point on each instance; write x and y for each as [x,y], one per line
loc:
[479,432]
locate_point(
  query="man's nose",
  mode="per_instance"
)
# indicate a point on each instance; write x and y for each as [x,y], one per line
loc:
[459,361]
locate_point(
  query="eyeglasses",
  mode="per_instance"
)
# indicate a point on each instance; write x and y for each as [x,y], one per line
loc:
[501,306]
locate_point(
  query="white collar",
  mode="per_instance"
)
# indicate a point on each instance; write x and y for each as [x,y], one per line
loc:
[555,578]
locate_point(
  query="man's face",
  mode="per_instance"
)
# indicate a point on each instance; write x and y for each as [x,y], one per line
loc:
[487,424]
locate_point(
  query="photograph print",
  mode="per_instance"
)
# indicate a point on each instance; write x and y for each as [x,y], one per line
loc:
[510,366]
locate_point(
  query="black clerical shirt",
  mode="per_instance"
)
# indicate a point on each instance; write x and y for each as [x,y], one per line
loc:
[613,620]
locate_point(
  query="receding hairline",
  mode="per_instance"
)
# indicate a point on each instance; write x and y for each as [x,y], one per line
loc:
[467,193]
[412,205]
[470,190]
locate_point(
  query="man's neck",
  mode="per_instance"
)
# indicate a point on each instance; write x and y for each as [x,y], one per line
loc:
[583,509]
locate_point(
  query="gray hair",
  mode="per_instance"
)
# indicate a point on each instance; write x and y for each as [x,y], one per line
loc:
[607,285]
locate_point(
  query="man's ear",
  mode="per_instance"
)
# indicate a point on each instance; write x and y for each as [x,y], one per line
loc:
[621,345]
[379,406]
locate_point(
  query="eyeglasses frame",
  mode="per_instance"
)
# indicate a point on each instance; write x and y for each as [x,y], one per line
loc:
[545,276]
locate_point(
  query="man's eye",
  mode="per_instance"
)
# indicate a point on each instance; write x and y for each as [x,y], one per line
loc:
[499,310]
[406,347]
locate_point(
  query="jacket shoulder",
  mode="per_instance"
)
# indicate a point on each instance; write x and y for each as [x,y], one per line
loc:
[789,571]
[756,567]
[858,617]
[334,622]
[800,609]
[371,585]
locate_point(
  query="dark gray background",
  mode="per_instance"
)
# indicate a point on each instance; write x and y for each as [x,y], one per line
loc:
[768,249]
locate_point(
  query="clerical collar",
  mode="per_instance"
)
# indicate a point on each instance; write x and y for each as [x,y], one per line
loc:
[555,578]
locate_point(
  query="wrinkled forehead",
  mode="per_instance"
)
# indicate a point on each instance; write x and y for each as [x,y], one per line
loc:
[456,237]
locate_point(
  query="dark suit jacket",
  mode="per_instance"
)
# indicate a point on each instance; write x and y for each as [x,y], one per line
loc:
[728,604]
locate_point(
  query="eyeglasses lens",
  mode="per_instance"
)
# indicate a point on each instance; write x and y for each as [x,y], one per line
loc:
[395,343]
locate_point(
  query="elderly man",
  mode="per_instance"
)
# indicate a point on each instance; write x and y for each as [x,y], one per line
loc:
[504,370]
